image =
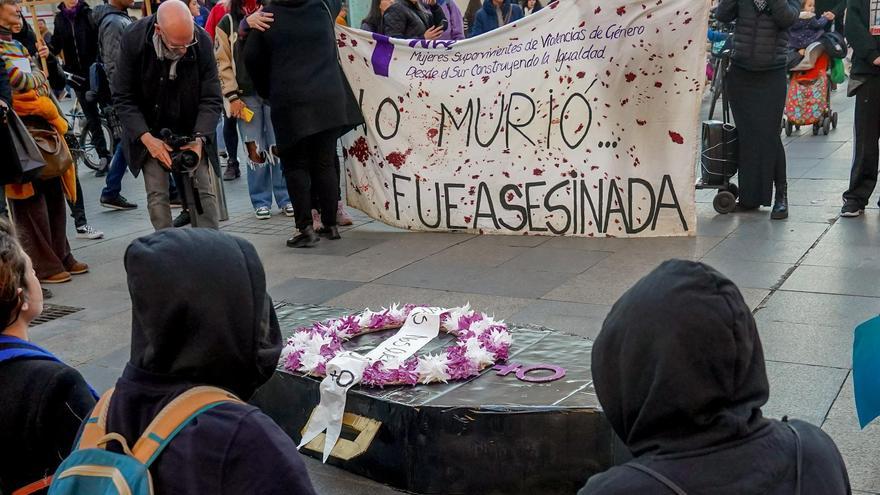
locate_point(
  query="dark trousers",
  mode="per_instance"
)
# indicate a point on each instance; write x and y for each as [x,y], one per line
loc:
[310,166]
[78,208]
[316,202]
[863,177]
[230,136]
[41,223]
[93,123]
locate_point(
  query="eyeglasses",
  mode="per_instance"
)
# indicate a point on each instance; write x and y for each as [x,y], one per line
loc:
[192,43]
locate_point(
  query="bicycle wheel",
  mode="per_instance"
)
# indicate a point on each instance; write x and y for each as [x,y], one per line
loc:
[88,153]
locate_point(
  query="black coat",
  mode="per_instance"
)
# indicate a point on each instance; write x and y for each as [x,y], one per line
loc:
[295,66]
[866,48]
[5,88]
[679,371]
[407,20]
[182,338]
[760,39]
[147,100]
[42,406]
[77,40]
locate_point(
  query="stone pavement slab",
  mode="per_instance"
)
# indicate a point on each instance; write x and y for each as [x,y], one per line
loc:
[810,280]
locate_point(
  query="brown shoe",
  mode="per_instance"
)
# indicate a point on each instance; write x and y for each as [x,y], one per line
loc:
[58,278]
[78,268]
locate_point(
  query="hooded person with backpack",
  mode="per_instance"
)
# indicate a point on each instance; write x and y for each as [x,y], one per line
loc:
[186,345]
[44,400]
[679,371]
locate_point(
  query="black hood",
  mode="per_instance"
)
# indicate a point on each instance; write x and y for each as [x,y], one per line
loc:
[200,311]
[678,365]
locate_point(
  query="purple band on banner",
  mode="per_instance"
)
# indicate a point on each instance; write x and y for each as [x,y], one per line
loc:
[382,54]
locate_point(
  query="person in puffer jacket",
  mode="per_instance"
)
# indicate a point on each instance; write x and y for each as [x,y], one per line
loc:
[756,88]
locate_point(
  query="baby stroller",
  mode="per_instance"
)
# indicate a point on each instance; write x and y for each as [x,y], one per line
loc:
[809,88]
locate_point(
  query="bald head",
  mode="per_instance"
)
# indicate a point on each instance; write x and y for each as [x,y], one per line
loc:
[174,22]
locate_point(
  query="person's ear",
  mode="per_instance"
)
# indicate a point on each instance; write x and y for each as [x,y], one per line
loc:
[25,305]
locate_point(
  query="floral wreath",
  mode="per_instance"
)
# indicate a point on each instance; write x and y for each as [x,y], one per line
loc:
[481,341]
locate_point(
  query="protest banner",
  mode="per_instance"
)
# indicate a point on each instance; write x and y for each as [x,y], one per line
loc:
[580,120]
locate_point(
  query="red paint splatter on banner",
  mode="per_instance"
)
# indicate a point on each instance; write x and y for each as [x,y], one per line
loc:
[641,122]
[351,58]
[676,137]
[584,23]
[354,42]
[621,10]
[387,205]
[398,159]
[537,172]
[581,75]
[340,43]
[594,167]
[432,133]
[360,150]
[658,84]
[467,219]
[630,77]
[598,9]
[485,79]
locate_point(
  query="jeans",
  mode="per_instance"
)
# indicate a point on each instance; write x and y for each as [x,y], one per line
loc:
[113,184]
[156,182]
[866,158]
[310,165]
[227,137]
[265,178]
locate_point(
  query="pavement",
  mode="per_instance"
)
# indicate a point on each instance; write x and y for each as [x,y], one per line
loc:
[810,280]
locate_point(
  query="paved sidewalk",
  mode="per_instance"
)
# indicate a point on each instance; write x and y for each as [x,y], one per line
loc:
[810,279]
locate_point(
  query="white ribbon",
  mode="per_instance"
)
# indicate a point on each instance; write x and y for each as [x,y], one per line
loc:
[347,370]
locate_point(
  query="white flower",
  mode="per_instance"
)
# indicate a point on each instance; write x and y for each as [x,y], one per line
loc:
[365,317]
[478,327]
[300,340]
[477,355]
[455,314]
[316,342]
[500,337]
[309,362]
[433,368]
[285,353]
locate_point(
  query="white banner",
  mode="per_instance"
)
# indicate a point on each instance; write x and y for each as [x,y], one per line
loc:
[580,120]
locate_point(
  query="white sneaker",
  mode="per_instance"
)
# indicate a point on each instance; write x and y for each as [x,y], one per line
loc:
[288,210]
[263,213]
[87,232]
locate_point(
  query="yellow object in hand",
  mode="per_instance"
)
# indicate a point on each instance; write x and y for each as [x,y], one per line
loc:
[247,114]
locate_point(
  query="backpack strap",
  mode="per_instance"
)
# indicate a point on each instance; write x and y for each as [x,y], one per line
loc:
[96,426]
[799,454]
[175,416]
[668,483]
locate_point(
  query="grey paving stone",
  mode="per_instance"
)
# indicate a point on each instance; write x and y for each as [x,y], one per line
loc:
[544,259]
[860,448]
[754,297]
[801,391]
[602,284]
[805,344]
[782,231]
[863,281]
[574,318]
[828,310]
[376,296]
[812,149]
[310,291]
[101,378]
[489,252]
[750,274]
[755,249]
[832,252]
[91,341]
[329,480]
[861,231]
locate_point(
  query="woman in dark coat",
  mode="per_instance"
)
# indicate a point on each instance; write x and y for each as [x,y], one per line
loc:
[44,400]
[684,389]
[756,86]
[407,19]
[295,66]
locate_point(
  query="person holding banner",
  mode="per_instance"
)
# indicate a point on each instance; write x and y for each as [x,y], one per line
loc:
[495,14]
[373,22]
[408,20]
[756,85]
[312,104]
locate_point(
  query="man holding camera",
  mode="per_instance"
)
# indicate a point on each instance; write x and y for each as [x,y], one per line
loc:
[166,84]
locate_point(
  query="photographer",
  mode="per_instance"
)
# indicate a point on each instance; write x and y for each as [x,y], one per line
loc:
[166,78]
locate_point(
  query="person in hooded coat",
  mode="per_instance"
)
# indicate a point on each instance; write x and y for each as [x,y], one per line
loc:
[493,15]
[194,325]
[684,388]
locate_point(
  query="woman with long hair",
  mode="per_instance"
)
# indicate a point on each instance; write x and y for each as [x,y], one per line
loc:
[530,6]
[373,22]
[295,66]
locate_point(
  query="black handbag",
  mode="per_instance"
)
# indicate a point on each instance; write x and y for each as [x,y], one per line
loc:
[25,162]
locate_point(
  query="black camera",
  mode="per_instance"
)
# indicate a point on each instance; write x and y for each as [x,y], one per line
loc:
[182,161]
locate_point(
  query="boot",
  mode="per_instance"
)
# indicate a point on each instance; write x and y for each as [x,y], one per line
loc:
[232,171]
[305,239]
[331,233]
[780,203]
[182,220]
[342,216]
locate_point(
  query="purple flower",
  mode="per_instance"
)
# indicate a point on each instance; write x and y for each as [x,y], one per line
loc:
[293,361]
[460,367]
[407,373]
[377,376]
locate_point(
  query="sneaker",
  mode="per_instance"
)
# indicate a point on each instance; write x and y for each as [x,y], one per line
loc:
[87,232]
[288,210]
[182,220]
[305,239]
[117,203]
[263,213]
[223,154]
[232,171]
[342,216]
[58,278]
[851,210]
[316,221]
[78,268]
[104,165]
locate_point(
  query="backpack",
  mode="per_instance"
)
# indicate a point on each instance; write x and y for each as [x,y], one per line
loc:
[99,83]
[92,469]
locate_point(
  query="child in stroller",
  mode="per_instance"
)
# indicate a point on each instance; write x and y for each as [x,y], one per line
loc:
[808,29]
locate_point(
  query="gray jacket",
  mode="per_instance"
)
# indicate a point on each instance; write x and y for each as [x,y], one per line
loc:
[111,24]
[760,39]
